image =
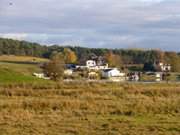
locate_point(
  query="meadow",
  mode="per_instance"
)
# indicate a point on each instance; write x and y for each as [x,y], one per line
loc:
[89,108]
[31,106]
[14,58]
[14,69]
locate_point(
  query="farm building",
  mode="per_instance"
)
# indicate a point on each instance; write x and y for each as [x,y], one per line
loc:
[163,67]
[113,74]
[68,72]
[93,65]
[90,63]
[133,76]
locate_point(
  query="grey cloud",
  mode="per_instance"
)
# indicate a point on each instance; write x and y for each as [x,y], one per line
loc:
[94,23]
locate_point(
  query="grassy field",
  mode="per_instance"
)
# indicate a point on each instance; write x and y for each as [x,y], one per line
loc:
[89,109]
[173,77]
[31,106]
[13,58]
[15,69]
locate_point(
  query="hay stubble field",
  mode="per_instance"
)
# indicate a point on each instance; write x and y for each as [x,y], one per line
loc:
[31,106]
[90,108]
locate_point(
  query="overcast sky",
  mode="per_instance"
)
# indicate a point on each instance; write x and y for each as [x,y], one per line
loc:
[94,23]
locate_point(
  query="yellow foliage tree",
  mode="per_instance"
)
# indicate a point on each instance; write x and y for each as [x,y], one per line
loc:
[113,59]
[70,56]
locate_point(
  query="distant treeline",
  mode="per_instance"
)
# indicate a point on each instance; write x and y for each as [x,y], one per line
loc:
[128,56]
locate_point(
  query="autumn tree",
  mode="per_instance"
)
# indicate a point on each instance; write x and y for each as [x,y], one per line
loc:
[160,56]
[113,60]
[174,60]
[69,56]
[55,67]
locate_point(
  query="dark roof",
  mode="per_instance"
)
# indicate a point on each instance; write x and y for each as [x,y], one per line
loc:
[71,66]
[107,70]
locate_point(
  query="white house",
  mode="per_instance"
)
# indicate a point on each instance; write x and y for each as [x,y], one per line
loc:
[113,74]
[133,76]
[94,64]
[164,67]
[68,72]
[158,76]
[90,63]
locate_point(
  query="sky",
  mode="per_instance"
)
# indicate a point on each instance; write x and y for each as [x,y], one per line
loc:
[148,24]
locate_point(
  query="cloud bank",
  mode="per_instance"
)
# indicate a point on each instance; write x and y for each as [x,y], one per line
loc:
[93,23]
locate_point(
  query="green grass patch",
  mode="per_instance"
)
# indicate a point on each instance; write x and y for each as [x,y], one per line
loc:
[7,76]
[26,69]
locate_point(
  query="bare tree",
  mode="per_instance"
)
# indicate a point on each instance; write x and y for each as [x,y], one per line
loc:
[55,67]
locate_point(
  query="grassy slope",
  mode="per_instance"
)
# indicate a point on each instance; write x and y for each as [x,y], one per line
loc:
[13,58]
[19,68]
[98,109]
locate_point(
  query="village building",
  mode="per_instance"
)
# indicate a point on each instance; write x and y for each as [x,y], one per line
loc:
[71,66]
[90,63]
[68,72]
[134,76]
[93,65]
[163,67]
[113,74]
[158,76]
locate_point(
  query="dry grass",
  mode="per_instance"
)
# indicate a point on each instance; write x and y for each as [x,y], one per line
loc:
[13,58]
[89,108]
[19,68]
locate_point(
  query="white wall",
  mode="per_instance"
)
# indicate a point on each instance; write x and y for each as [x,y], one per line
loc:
[113,73]
[90,63]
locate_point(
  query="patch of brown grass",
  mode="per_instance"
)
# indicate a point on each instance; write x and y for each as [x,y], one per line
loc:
[89,108]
